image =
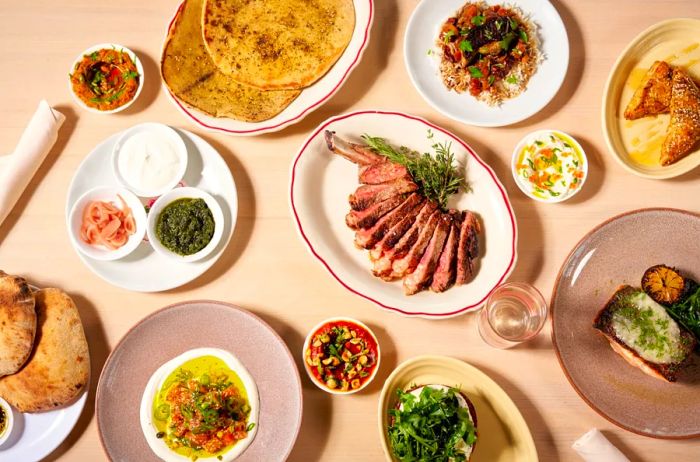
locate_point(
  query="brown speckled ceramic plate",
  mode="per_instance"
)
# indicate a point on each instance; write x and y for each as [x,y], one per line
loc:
[617,252]
[171,331]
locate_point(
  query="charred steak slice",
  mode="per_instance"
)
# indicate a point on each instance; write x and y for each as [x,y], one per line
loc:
[349,151]
[468,248]
[370,194]
[367,238]
[382,266]
[382,172]
[406,264]
[446,269]
[395,233]
[420,278]
[642,332]
[368,217]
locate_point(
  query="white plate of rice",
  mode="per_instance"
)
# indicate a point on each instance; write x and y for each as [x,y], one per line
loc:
[423,56]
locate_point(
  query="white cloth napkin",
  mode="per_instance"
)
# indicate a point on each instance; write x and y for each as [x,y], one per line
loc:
[595,447]
[18,168]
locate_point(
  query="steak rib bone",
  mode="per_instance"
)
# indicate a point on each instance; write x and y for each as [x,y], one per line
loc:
[353,152]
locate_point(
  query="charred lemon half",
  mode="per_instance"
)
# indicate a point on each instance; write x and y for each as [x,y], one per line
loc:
[665,285]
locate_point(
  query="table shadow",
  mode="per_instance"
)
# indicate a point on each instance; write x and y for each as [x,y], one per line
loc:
[317,404]
[151,84]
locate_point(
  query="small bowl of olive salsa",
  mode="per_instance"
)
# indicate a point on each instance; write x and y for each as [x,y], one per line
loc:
[185,224]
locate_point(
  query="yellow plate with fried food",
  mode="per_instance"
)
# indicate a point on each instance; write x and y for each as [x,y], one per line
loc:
[651,103]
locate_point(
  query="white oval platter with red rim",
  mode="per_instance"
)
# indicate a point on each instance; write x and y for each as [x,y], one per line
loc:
[322,181]
[310,99]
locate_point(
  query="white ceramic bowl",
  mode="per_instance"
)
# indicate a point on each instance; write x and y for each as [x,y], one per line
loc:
[527,139]
[181,193]
[159,447]
[100,46]
[107,194]
[9,421]
[307,344]
[175,141]
[422,65]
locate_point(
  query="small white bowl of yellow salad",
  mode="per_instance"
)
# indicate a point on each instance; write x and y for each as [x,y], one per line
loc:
[202,405]
[549,166]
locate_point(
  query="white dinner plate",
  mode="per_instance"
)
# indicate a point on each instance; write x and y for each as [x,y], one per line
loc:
[35,436]
[322,181]
[145,270]
[423,65]
[310,99]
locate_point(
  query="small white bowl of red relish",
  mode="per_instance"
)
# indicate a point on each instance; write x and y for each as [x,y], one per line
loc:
[341,355]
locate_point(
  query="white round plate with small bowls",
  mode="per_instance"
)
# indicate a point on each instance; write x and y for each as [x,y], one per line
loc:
[98,47]
[422,59]
[145,270]
[36,435]
[322,181]
[310,99]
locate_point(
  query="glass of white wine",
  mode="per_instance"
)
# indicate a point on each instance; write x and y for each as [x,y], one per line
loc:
[514,312]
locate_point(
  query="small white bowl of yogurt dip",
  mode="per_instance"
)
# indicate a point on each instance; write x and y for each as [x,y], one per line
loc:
[549,166]
[205,386]
[149,159]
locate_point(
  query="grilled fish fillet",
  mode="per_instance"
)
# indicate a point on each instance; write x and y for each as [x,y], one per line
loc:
[684,130]
[640,330]
[654,93]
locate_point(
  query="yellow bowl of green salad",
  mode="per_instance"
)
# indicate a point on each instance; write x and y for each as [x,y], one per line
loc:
[549,166]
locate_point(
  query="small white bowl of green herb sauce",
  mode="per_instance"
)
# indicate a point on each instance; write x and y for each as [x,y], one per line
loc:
[185,224]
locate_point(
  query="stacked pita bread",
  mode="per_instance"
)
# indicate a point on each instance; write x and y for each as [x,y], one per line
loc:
[248,60]
[664,90]
[44,358]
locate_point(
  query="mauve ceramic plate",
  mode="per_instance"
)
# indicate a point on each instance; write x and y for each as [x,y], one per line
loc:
[617,252]
[171,331]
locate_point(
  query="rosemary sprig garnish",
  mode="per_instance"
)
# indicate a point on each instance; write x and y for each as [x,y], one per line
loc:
[436,175]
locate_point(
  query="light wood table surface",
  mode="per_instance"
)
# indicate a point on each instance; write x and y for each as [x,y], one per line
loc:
[266,268]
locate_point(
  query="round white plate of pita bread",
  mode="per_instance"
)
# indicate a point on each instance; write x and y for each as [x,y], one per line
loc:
[48,417]
[216,101]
